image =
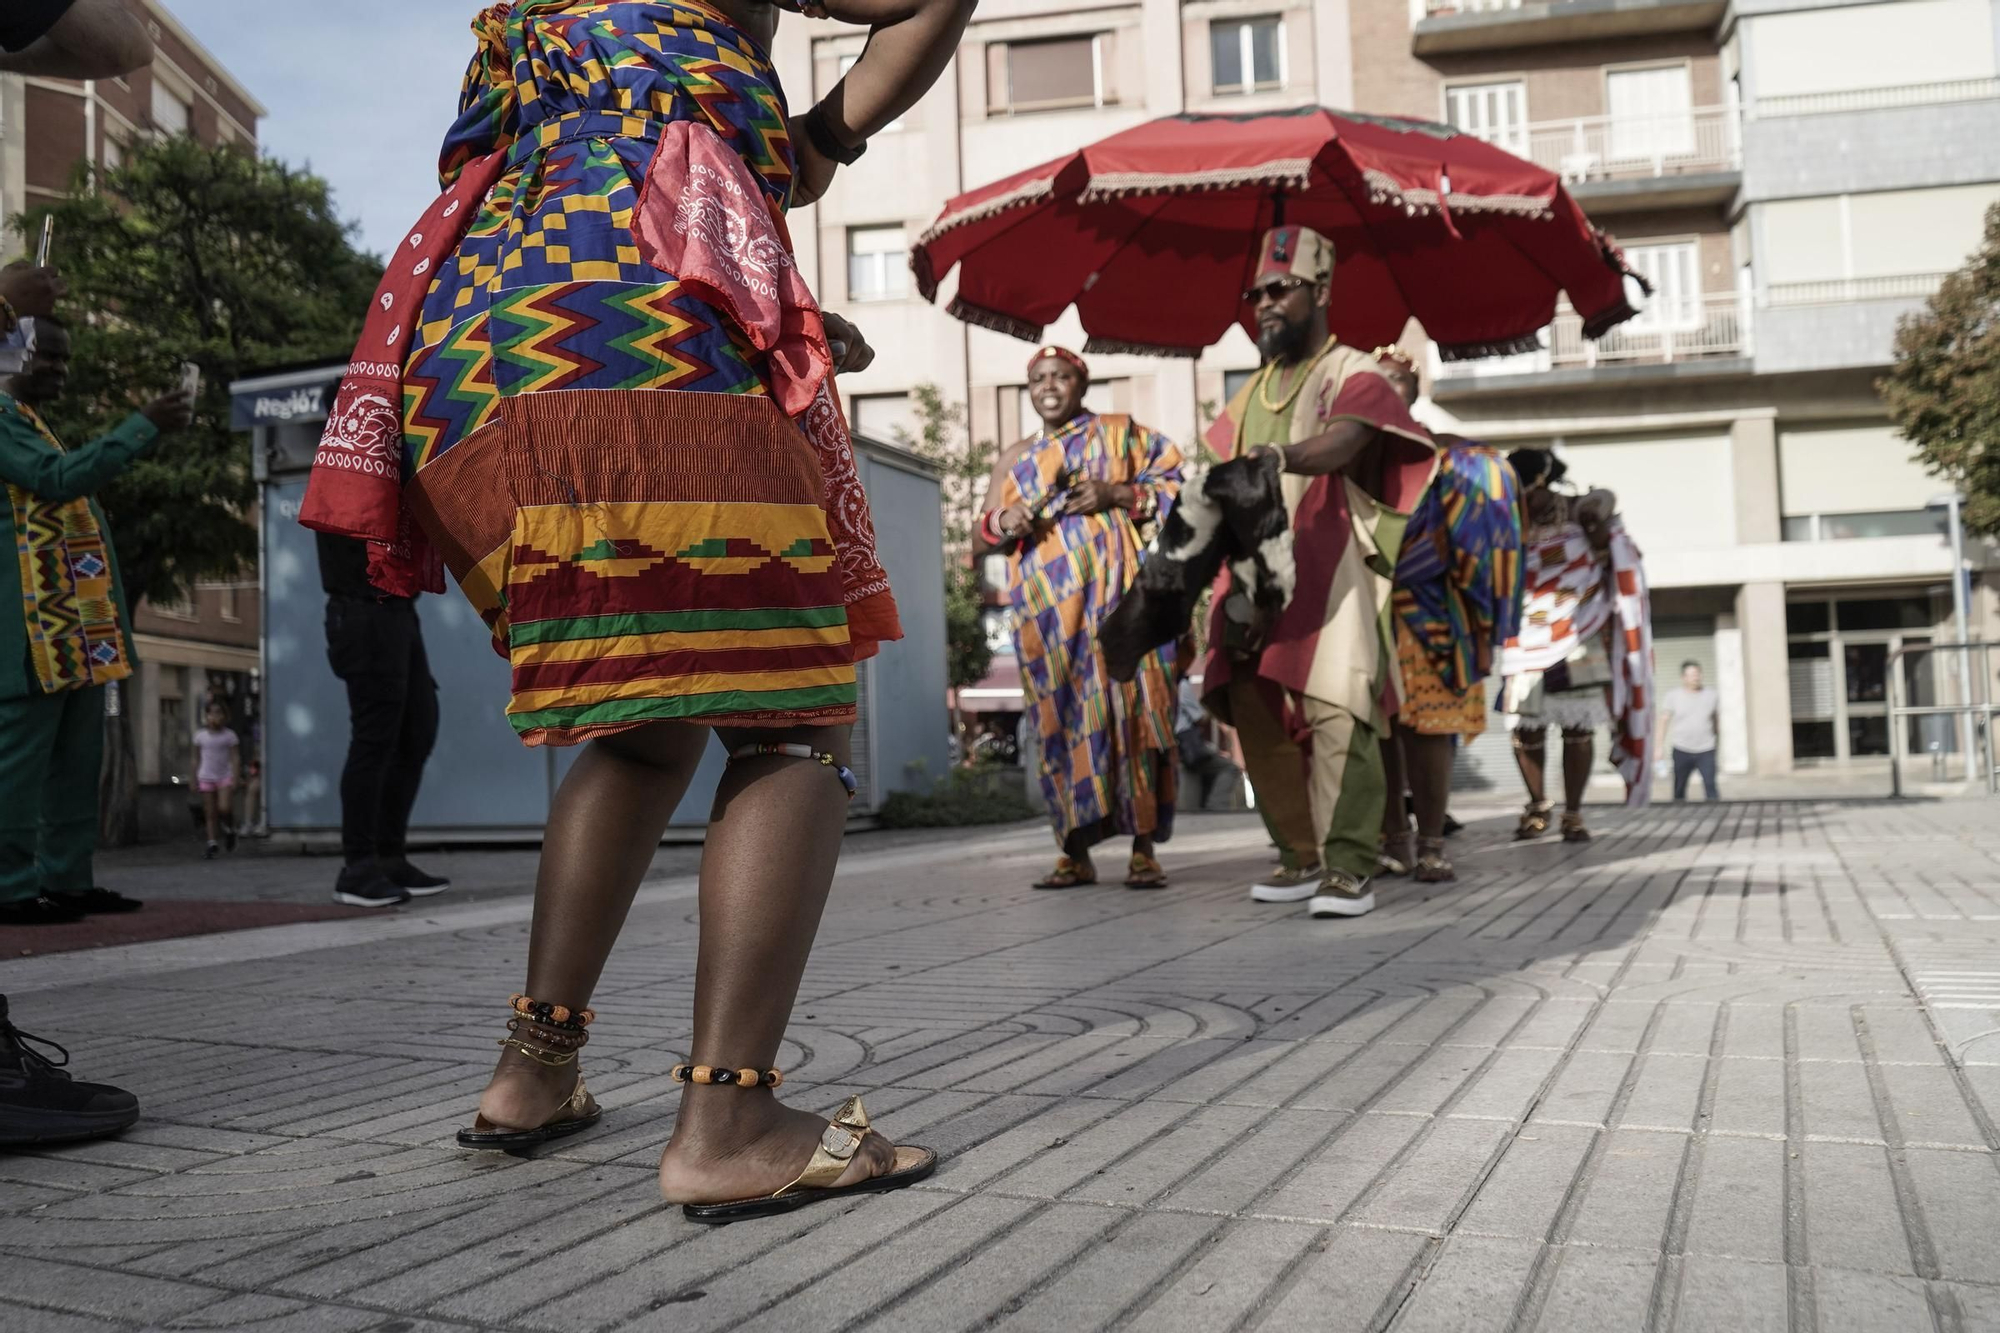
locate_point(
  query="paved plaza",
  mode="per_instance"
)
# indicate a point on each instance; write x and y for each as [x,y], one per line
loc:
[1731,1067]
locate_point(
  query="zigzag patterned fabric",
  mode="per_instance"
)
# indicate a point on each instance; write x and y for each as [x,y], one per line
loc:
[68,597]
[1458,577]
[591,445]
[1108,751]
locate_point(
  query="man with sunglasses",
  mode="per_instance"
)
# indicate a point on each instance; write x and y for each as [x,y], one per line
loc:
[1309,691]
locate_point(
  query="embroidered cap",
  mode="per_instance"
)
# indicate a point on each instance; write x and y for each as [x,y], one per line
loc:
[1295,252]
[1060,354]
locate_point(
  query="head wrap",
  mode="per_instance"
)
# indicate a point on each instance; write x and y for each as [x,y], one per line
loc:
[1060,354]
[1295,252]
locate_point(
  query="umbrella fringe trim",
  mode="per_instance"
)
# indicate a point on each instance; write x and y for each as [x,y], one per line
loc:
[1013,327]
[1496,347]
[1287,174]
[1384,189]
[1606,320]
[1121,347]
[1034,192]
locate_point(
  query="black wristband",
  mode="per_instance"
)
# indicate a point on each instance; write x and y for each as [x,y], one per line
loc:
[829,147]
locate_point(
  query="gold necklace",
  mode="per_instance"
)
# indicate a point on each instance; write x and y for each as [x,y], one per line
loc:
[1305,373]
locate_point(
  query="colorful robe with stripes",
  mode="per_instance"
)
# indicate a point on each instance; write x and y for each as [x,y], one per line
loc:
[1108,753]
[1458,577]
[594,385]
[1333,641]
[1575,594]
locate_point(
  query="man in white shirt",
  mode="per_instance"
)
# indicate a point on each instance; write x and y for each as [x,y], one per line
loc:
[1688,725]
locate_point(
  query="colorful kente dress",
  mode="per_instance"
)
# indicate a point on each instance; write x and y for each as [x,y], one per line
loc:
[1458,590]
[596,386]
[1107,751]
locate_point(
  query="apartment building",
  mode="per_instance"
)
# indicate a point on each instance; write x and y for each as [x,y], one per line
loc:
[207,643]
[1790,177]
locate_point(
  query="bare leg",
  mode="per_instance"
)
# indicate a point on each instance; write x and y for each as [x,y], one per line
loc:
[1430,778]
[1579,752]
[1531,752]
[765,872]
[211,812]
[602,835]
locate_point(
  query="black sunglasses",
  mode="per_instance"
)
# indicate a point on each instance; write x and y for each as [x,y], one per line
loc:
[1277,289]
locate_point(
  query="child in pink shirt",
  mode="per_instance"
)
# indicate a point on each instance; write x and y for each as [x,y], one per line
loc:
[215,776]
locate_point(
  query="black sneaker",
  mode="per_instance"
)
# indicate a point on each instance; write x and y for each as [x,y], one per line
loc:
[99,902]
[39,1103]
[1452,828]
[39,912]
[413,881]
[366,886]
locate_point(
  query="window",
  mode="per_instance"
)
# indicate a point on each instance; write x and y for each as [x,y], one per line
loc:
[171,113]
[1652,114]
[1051,75]
[1248,55]
[114,152]
[878,263]
[1233,382]
[1495,112]
[1674,270]
[1842,656]
[885,417]
[1877,523]
[847,63]
[230,612]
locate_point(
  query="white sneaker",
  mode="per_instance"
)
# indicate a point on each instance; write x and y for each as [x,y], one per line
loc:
[1342,895]
[1287,886]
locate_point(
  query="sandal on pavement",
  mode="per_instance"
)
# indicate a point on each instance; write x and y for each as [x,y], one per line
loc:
[1433,865]
[1573,827]
[1534,821]
[837,1146]
[1068,874]
[548,1034]
[1145,873]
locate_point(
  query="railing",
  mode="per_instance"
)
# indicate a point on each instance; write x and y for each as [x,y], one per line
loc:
[1597,148]
[1668,331]
[1875,99]
[1469,6]
[1840,291]
[1976,715]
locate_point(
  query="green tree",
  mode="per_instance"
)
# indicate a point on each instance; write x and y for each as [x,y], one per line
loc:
[942,438]
[1944,390]
[234,262]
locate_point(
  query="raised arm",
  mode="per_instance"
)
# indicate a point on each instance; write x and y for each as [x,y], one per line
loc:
[910,43]
[82,39]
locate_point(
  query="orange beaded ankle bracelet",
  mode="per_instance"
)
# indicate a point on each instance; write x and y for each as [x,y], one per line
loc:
[740,1078]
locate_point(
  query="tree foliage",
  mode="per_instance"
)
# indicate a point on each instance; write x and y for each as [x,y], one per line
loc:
[1944,390]
[191,253]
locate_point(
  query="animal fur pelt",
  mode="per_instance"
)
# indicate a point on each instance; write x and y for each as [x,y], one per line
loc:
[1232,512]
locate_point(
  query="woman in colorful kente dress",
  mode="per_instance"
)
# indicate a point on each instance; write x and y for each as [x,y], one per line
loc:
[1457,599]
[595,387]
[1067,508]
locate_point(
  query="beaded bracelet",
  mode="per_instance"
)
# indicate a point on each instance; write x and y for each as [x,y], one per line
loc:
[742,1078]
[552,1015]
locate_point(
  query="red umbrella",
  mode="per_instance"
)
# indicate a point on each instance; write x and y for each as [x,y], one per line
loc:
[1152,233]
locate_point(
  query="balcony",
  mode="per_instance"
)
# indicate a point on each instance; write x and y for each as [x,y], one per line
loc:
[1619,163]
[1695,336]
[1494,25]
[1837,324]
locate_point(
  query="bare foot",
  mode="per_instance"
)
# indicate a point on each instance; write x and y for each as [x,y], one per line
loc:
[730,1144]
[524,1093]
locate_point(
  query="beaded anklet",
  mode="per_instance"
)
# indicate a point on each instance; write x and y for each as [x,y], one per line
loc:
[821,757]
[552,1015]
[742,1078]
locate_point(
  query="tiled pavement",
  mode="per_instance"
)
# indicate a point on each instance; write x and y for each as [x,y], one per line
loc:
[1686,1078]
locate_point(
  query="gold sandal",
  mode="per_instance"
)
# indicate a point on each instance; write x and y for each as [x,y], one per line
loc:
[553,1037]
[1145,872]
[1573,827]
[1534,821]
[1433,865]
[837,1146]
[1069,874]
